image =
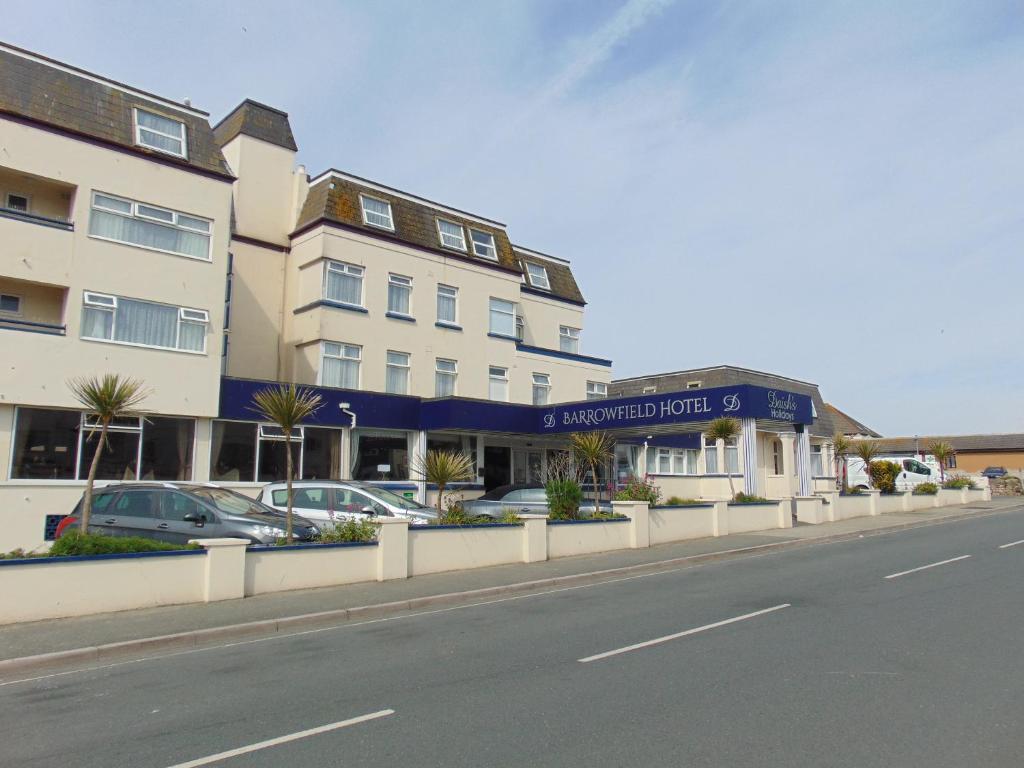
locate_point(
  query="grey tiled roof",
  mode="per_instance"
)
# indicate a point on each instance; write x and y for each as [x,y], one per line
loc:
[259,121]
[724,376]
[336,198]
[80,103]
[847,424]
[961,443]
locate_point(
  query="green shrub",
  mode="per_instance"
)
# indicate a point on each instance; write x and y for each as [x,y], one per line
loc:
[854,491]
[639,489]
[509,515]
[926,489]
[958,482]
[883,475]
[607,516]
[675,501]
[21,554]
[78,543]
[350,530]
[747,498]
[564,499]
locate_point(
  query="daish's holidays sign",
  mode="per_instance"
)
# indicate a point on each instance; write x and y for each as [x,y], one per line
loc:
[676,408]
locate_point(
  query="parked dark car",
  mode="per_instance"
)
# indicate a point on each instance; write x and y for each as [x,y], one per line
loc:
[522,499]
[178,512]
[994,472]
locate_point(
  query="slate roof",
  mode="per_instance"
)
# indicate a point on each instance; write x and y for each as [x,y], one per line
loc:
[847,424]
[995,443]
[335,197]
[70,99]
[563,284]
[724,376]
[259,121]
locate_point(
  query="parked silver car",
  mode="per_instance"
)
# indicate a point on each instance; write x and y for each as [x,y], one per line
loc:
[178,512]
[522,499]
[327,502]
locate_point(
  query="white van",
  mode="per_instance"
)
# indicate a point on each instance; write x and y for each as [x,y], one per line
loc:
[914,472]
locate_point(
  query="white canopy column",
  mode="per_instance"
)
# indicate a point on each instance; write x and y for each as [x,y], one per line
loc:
[803,461]
[416,461]
[749,434]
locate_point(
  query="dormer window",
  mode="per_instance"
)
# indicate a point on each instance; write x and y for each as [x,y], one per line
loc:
[451,234]
[483,244]
[164,134]
[377,213]
[538,276]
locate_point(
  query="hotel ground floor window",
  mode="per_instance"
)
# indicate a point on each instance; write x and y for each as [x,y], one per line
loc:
[244,452]
[817,461]
[60,445]
[710,456]
[381,455]
[458,443]
[732,457]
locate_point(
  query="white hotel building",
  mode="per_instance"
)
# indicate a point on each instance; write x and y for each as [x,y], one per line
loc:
[137,237]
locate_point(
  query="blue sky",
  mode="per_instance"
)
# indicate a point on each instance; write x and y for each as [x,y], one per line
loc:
[827,190]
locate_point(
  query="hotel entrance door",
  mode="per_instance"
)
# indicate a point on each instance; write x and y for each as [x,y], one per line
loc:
[497,466]
[527,466]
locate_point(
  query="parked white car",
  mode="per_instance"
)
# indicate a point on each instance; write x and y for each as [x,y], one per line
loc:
[913,473]
[333,501]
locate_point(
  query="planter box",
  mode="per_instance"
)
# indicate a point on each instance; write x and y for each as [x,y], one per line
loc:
[574,537]
[890,503]
[277,569]
[690,521]
[744,518]
[433,549]
[924,501]
[858,505]
[951,496]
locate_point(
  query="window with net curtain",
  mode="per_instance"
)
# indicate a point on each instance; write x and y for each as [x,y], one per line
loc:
[397,374]
[732,457]
[111,318]
[344,283]
[710,456]
[447,298]
[399,294]
[446,372]
[503,317]
[148,226]
[159,132]
[541,388]
[452,234]
[340,365]
[377,212]
[817,465]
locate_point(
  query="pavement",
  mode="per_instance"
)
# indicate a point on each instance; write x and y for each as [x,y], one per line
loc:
[891,650]
[149,630]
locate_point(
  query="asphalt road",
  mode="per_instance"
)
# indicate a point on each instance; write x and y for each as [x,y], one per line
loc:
[838,666]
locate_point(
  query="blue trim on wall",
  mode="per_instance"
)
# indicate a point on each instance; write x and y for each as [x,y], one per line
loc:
[448,326]
[331,304]
[312,546]
[398,316]
[585,521]
[683,506]
[520,347]
[466,525]
[91,558]
[458,487]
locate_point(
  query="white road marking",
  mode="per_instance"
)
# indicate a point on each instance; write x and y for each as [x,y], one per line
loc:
[685,633]
[926,567]
[1011,544]
[283,739]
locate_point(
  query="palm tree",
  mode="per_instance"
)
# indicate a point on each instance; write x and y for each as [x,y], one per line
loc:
[105,399]
[442,468]
[724,428]
[867,451]
[840,449]
[287,406]
[593,449]
[943,452]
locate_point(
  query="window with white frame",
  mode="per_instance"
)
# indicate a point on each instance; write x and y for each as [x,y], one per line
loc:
[164,134]
[483,244]
[149,226]
[377,212]
[732,456]
[541,388]
[339,365]
[503,317]
[400,295]
[10,304]
[538,275]
[396,378]
[451,234]
[650,390]
[817,460]
[145,323]
[596,390]
[710,456]
[672,461]
[445,374]
[447,304]
[343,283]
[569,339]
[497,386]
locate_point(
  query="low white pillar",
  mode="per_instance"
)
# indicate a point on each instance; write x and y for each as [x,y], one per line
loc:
[225,568]
[392,549]
[907,501]
[638,513]
[873,508]
[720,525]
[810,509]
[535,538]
[785,518]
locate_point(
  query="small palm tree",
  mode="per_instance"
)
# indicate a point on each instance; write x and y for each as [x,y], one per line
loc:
[840,449]
[442,468]
[724,428]
[867,451]
[287,406]
[105,398]
[592,449]
[943,452]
